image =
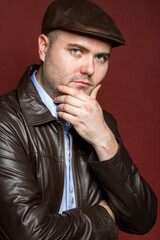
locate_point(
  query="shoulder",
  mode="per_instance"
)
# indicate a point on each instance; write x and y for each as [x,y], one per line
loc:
[9,102]
[9,107]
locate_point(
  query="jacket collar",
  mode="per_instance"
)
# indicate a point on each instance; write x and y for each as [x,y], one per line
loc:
[33,109]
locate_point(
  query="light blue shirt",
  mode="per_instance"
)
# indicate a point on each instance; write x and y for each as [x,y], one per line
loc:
[68,199]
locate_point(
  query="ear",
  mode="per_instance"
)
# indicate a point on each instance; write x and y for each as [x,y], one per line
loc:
[43,44]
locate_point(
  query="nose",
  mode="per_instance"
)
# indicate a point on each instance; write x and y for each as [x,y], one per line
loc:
[87,65]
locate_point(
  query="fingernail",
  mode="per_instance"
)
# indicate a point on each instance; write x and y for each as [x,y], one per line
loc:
[60,88]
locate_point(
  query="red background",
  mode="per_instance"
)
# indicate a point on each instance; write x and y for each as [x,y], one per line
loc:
[131,89]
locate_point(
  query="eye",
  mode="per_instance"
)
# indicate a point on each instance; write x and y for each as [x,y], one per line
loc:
[101,58]
[76,51]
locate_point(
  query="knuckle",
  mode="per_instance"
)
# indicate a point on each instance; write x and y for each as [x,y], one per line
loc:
[65,107]
[67,98]
[84,115]
[94,102]
[88,107]
[63,115]
[78,124]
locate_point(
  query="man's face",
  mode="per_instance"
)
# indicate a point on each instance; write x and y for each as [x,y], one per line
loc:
[73,60]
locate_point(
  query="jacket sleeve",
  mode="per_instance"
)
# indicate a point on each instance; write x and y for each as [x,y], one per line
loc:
[24,216]
[130,196]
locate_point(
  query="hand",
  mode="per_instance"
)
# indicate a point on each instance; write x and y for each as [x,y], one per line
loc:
[106,206]
[86,115]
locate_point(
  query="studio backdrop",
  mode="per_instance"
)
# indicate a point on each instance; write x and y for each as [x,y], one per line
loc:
[131,89]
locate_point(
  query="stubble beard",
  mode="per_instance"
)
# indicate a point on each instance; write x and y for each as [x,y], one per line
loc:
[50,84]
[53,90]
[90,88]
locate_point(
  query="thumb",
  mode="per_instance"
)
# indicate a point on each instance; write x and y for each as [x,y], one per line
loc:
[95,91]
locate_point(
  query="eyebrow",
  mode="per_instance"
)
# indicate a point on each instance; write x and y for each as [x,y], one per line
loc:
[105,54]
[78,46]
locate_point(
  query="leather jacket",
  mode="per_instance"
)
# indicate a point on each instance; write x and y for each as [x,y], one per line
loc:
[32,163]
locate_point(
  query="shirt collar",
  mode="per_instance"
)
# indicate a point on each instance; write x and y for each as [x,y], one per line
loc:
[49,102]
[46,99]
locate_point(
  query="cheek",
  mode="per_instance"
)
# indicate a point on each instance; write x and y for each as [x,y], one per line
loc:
[69,68]
[101,73]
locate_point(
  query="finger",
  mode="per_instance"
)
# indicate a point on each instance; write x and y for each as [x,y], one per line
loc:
[79,94]
[67,109]
[95,91]
[67,117]
[69,100]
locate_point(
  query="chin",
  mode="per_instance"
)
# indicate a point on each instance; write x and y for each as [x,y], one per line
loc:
[87,91]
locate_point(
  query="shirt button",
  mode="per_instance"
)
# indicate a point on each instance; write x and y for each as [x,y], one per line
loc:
[67,124]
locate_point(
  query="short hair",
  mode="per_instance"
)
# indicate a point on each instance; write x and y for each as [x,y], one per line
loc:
[53,35]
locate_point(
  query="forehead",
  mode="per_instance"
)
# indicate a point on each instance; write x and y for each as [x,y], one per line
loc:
[67,38]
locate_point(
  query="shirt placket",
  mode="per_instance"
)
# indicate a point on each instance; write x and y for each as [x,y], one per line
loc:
[70,193]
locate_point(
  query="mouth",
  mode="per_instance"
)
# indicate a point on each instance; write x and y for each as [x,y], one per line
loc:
[82,83]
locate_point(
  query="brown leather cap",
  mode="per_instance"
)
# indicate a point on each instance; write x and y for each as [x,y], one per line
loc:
[83,17]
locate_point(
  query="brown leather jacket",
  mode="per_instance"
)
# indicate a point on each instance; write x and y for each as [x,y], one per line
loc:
[32,177]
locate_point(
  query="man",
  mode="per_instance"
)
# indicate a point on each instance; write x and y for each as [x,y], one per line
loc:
[64,172]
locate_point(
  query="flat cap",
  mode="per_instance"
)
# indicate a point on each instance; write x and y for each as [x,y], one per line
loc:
[82,17]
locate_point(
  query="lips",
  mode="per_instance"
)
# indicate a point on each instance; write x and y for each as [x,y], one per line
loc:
[82,83]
